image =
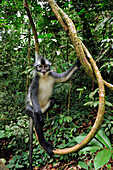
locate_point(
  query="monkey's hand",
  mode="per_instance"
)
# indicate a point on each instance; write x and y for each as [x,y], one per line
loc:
[48,147]
[40,117]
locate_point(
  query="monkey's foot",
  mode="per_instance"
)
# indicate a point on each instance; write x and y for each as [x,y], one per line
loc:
[49,148]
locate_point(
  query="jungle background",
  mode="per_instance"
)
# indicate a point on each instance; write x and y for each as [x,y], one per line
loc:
[77,100]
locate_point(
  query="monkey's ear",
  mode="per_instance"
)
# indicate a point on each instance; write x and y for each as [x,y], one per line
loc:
[37,63]
[48,63]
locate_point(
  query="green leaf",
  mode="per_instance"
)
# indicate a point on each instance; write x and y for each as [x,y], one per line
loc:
[91,149]
[10,165]
[94,142]
[78,139]
[108,104]
[96,103]
[83,165]
[103,139]
[68,119]
[26,140]
[102,158]
[2,133]
[112,130]
[81,12]
[93,145]
[92,103]
[20,166]
[93,93]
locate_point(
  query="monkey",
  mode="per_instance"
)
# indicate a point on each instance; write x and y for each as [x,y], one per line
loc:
[39,99]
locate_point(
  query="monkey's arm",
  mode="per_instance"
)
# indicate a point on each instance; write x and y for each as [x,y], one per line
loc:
[65,76]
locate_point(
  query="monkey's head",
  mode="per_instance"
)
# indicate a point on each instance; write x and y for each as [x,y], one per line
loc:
[42,66]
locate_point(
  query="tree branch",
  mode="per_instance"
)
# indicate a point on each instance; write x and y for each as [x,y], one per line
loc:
[90,70]
[59,18]
[33,29]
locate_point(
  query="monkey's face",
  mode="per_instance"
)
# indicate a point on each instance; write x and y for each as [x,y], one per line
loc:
[43,68]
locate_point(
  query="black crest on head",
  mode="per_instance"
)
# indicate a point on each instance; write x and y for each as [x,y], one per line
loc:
[43,61]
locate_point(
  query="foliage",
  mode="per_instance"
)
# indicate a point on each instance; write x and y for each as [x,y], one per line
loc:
[102,143]
[18,161]
[95,100]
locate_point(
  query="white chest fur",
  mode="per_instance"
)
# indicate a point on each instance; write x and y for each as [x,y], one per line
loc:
[45,89]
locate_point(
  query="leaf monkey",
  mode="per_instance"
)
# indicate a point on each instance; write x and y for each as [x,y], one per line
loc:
[38,100]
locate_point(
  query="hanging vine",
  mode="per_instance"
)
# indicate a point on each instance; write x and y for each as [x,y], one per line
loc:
[90,69]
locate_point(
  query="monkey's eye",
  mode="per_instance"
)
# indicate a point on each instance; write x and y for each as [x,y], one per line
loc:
[47,67]
[39,67]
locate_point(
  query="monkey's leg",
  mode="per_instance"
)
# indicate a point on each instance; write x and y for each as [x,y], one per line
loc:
[48,106]
[29,111]
[39,130]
